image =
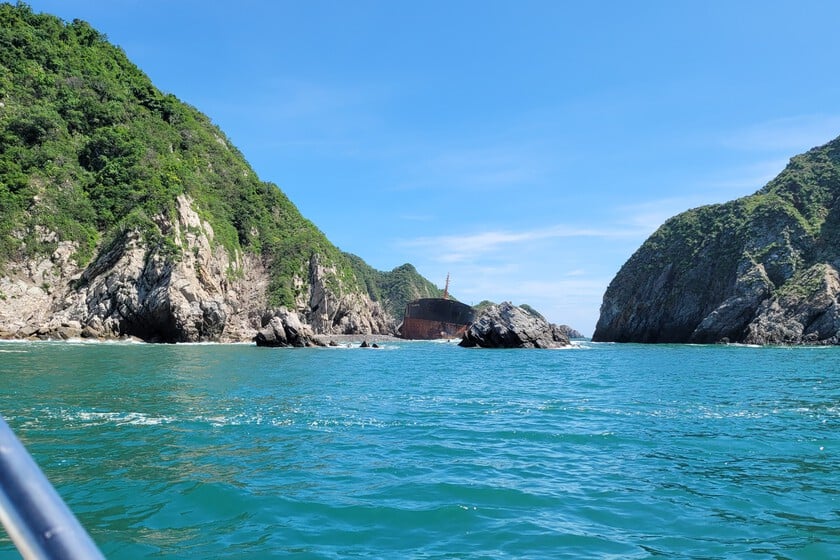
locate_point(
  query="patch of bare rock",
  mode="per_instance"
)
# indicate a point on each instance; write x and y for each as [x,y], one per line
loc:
[508,326]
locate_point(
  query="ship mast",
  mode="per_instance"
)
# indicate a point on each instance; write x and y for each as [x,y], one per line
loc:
[446,288]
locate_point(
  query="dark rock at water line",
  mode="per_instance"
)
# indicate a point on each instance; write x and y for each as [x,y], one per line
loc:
[283,328]
[508,326]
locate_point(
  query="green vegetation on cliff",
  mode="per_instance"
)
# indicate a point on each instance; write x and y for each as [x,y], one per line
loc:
[728,271]
[90,149]
[393,289]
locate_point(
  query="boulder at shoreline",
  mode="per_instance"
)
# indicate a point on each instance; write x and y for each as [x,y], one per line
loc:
[508,326]
[282,329]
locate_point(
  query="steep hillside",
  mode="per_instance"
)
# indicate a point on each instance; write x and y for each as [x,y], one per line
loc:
[394,289]
[762,269]
[124,211]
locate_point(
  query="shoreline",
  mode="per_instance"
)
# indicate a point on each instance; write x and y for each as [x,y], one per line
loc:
[358,338]
[324,339]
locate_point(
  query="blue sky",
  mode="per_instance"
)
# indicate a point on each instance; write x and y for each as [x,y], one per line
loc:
[525,147]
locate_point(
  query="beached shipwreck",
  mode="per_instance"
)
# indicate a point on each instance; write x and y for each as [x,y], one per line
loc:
[435,318]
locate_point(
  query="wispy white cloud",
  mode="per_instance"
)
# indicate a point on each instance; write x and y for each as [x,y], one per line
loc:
[291,98]
[457,248]
[561,270]
[563,289]
[745,179]
[649,215]
[310,116]
[788,134]
[571,300]
[487,167]
[720,186]
[468,165]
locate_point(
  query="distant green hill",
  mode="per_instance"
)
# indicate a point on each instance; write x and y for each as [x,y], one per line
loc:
[90,151]
[395,288]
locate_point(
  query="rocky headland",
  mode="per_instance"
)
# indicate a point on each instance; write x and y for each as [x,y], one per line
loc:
[126,213]
[133,289]
[762,269]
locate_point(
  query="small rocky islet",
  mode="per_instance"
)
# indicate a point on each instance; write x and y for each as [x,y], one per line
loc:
[501,325]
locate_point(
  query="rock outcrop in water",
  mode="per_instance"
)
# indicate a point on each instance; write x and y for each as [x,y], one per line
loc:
[125,212]
[569,332]
[282,328]
[762,269]
[508,326]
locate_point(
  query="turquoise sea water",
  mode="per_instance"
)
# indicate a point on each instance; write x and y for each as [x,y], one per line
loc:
[427,450]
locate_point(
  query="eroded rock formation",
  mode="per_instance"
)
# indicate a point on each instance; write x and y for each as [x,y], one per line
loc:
[191,290]
[762,269]
[507,326]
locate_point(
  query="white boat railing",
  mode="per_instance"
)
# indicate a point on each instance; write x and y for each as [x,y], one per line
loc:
[36,518]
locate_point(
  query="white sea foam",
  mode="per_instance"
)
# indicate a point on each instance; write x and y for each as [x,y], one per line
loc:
[118,418]
[573,346]
[357,346]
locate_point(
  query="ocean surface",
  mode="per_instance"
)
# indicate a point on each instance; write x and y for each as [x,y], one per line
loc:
[427,450]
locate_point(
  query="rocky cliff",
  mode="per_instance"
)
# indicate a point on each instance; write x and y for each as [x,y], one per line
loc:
[762,269]
[125,212]
[197,293]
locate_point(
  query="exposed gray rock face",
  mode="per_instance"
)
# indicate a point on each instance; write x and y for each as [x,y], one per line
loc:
[195,293]
[810,315]
[283,328]
[508,326]
[759,270]
[568,331]
[343,311]
[101,157]
[137,289]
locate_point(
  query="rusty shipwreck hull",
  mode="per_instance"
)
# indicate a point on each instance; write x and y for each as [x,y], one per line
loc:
[435,318]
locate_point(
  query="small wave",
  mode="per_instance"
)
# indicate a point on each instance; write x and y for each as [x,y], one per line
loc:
[118,418]
[212,343]
[357,346]
[574,346]
[97,341]
[16,342]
